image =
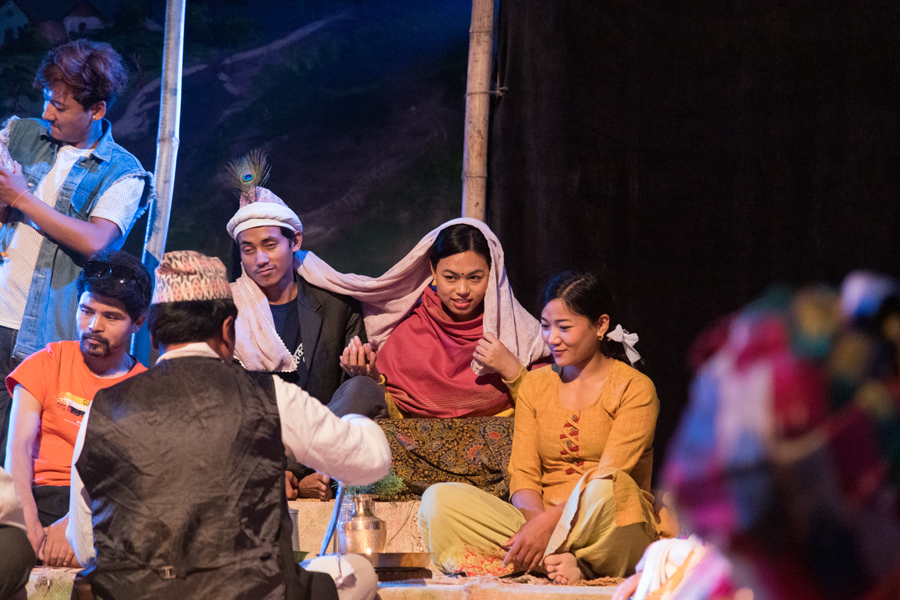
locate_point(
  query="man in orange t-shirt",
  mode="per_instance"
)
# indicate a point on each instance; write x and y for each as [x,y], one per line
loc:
[52,388]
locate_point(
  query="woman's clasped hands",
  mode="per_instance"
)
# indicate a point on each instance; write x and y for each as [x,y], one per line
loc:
[360,359]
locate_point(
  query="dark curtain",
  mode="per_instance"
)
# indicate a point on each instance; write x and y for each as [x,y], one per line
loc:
[694,153]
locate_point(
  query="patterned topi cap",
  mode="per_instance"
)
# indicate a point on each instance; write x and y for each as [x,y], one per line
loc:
[187,275]
[259,207]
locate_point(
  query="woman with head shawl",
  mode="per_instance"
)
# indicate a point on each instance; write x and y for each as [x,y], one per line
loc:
[447,336]
[581,462]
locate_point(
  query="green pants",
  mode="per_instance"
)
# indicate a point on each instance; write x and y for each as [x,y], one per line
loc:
[464,528]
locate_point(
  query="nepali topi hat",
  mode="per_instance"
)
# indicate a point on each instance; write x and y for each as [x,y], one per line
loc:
[186,275]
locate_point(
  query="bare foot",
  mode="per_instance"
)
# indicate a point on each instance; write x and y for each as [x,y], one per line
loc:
[562,568]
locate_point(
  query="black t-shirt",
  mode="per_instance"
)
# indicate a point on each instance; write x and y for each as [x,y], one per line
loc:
[287,324]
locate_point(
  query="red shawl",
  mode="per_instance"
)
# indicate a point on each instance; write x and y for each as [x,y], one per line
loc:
[427,359]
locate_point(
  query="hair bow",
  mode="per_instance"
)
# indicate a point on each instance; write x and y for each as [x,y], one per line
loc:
[626,339]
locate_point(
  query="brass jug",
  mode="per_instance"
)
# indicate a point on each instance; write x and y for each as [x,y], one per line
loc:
[359,530]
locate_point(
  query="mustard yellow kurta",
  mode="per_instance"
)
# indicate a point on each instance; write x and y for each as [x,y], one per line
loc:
[606,446]
[553,446]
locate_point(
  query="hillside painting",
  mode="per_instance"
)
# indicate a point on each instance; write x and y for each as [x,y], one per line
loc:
[359,105]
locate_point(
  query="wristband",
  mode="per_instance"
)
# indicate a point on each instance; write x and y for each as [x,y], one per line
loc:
[19,197]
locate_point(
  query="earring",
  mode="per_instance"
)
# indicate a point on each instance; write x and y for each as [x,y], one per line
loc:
[434,280]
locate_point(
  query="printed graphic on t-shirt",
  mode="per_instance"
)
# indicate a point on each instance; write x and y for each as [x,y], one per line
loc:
[298,355]
[72,403]
[65,387]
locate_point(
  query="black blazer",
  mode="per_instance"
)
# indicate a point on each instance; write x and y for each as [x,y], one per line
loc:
[328,322]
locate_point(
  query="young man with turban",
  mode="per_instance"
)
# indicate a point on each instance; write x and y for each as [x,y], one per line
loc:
[289,327]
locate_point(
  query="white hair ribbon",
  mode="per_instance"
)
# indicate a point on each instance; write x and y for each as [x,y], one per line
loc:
[626,339]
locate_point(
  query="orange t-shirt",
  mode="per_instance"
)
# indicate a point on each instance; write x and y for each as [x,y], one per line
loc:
[58,378]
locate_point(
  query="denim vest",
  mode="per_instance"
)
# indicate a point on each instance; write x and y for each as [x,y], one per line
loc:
[52,299]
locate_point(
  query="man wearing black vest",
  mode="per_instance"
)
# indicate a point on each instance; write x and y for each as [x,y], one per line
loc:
[182,468]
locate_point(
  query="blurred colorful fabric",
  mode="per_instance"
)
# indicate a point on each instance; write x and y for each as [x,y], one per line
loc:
[788,455]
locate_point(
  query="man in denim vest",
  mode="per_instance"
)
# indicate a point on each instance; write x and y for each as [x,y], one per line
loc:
[70,192]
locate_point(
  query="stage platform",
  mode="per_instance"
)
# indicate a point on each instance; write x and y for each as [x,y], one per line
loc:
[403,536]
[57,584]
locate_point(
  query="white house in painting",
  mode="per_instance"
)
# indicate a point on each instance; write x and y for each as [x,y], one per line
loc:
[83,17]
[56,20]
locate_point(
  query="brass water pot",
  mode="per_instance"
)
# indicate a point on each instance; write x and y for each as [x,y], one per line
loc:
[359,530]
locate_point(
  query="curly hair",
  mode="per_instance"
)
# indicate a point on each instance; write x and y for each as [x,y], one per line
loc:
[92,71]
[134,294]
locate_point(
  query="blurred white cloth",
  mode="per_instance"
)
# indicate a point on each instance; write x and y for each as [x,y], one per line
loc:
[11,512]
[660,561]
[353,575]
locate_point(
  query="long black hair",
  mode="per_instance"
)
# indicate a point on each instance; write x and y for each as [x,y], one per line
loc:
[588,295]
[457,239]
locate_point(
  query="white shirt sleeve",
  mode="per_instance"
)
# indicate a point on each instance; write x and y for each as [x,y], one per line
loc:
[119,203]
[79,531]
[352,449]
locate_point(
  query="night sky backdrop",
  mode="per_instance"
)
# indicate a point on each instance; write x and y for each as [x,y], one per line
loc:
[693,152]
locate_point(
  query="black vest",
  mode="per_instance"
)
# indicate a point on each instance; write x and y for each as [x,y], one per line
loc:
[184,465]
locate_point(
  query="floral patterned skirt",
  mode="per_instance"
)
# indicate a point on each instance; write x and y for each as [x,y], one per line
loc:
[428,451]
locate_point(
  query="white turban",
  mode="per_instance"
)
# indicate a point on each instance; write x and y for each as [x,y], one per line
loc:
[262,208]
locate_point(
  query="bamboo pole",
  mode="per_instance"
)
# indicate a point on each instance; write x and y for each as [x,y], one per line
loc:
[166,154]
[478,90]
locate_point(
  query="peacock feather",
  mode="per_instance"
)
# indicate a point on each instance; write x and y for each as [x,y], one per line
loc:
[249,171]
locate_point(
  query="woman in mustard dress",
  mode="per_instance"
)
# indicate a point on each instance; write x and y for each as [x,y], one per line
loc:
[581,463]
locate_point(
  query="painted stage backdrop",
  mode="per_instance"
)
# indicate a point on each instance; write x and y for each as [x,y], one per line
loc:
[359,104]
[692,152]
